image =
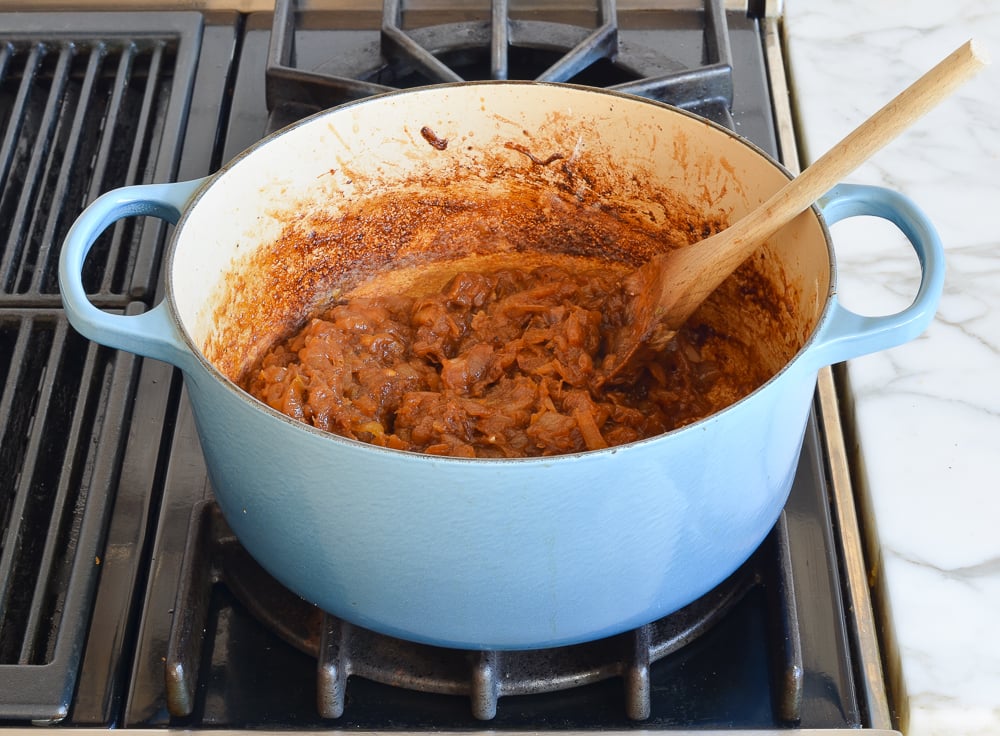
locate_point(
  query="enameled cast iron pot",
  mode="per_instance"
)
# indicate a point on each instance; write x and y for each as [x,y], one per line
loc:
[505,554]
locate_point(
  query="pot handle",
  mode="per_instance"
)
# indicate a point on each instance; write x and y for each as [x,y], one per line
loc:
[846,334]
[153,334]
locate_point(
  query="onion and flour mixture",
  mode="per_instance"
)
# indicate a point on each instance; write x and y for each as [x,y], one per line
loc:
[500,364]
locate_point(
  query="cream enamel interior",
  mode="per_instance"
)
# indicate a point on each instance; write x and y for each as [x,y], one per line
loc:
[632,149]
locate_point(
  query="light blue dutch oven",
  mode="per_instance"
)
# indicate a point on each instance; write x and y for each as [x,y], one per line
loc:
[500,554]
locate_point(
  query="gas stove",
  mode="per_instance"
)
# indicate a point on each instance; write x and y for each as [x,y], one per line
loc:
[126,602]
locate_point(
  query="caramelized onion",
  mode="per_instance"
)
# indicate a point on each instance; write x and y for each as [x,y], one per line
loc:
[499,364]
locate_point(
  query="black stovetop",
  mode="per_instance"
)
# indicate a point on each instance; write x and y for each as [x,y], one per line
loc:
[102,478]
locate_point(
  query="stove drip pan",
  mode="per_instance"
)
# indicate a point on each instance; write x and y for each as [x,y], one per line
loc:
[215,556]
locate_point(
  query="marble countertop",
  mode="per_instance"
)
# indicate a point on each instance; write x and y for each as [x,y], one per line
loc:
[927,413]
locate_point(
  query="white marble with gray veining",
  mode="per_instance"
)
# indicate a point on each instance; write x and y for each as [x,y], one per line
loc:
[928,412]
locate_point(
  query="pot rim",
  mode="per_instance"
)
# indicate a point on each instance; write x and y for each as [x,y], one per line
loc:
[697,425]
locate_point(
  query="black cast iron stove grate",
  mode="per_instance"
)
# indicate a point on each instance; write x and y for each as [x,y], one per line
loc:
[500,46]
[82,110]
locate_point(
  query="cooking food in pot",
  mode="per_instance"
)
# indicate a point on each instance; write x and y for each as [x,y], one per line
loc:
[503,554]
[502,364]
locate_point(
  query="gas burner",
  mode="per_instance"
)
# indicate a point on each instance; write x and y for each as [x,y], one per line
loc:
[548,47]
[215,556]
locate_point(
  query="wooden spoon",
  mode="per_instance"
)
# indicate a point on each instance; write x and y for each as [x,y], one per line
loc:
[668,289]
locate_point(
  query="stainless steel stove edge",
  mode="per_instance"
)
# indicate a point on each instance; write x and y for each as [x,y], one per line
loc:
[255,732]
[870,672]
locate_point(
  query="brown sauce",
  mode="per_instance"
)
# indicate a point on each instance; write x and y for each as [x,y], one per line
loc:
[506,363]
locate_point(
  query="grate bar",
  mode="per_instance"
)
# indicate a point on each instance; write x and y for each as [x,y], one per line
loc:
[19,237]
[29,489]
[6,51]
[13,559]
[499,39]
[138,153]
[17,427]
[10,394]
[114,112]
[54,214]
[601,44]
[13,429]
[790,671]
[686,89]
[331,675]
[692,88]
[308,87]
[9,146]
[396,43]
[15,230]
[638,702]
[717,45]
[284,81]
[484,683]
[61,536]
[18,234]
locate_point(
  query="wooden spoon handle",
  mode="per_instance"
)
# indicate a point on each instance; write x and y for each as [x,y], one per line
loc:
[671,286]
[856,148]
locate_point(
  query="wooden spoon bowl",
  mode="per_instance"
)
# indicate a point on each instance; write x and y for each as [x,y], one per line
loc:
[671,286]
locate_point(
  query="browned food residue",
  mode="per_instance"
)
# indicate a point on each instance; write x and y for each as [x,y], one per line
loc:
[534,159]
[500,364]
[431,137]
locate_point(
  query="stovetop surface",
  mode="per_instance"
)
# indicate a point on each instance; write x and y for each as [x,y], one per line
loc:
[178,95]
